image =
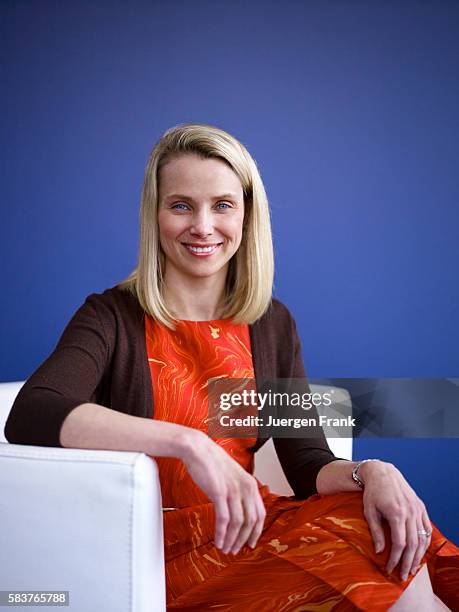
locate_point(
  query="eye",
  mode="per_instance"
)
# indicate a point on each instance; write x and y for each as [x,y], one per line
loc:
[225,204]
[180,206]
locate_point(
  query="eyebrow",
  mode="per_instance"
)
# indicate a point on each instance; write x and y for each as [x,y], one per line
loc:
[185,197]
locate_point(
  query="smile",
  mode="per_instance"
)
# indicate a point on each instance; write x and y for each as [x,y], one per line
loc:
[201,251]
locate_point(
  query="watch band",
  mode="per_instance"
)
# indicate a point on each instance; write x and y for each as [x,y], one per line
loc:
[355,472]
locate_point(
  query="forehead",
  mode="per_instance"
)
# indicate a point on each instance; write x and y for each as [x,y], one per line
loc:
[194,176]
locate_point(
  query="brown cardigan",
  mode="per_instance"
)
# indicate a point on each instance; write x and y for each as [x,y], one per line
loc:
[101,358]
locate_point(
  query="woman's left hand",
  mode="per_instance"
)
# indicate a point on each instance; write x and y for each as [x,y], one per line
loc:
[388,495]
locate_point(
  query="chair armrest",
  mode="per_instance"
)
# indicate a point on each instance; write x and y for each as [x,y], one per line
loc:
[85,521]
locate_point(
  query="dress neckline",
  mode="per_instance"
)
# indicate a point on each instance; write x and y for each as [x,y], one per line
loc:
[207,322]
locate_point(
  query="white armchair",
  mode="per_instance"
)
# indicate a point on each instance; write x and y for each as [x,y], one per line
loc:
[90,521]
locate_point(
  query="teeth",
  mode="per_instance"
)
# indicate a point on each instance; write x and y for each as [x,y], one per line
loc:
[201,249]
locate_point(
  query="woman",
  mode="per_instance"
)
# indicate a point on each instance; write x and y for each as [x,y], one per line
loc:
[199,305]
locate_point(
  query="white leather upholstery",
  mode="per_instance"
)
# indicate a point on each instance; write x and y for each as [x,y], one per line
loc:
[84,521]
[90,521]
[8,392]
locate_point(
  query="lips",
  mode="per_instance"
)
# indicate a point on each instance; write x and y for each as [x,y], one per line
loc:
[201,250]
[201,244]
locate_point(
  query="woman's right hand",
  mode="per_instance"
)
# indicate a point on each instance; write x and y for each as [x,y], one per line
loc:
[239,508]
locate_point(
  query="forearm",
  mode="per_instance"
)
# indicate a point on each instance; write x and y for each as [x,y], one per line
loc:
[95,427]
[336,476]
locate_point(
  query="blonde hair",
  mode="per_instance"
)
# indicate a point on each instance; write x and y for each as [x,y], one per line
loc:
[250,275]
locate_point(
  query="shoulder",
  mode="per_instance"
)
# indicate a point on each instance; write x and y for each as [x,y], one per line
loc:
[277,316]
[114,311]
[114,300]
[277,327]
[281,310]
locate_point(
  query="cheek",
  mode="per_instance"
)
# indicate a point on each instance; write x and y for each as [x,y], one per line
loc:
[169,228]
[240,231]
[234,228]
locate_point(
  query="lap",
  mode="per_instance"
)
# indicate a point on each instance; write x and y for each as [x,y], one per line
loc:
[313,552]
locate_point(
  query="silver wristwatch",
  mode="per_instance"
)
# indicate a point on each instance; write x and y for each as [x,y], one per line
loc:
[355,472]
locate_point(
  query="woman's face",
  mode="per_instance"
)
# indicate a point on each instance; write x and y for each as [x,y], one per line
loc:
[200,215]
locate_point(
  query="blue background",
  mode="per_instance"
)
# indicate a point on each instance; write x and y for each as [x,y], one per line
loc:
[350,110]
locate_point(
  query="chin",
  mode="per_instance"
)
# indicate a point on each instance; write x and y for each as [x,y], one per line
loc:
[203,273]
[203,269]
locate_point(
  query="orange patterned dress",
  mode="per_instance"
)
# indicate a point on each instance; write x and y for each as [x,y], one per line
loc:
[313,555]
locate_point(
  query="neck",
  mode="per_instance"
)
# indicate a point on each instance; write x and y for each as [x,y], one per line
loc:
[194,298]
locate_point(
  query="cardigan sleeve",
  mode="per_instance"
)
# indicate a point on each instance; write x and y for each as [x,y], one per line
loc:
[68,378]
[302,458]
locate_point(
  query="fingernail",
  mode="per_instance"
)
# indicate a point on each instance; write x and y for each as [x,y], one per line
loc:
[404,577]
[378,547]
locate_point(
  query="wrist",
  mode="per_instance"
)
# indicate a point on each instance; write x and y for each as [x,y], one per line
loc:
[363,470]
[189,442]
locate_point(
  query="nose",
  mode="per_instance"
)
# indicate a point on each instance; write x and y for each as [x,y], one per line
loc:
[202,223]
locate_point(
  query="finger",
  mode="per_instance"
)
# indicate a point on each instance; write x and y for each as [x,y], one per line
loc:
[222,517]
[398,535]
[258,527]
[254,513]
[423,543]
[235,523]
[375,524]
[250,518]
[412,544]
[427,526]
[425,540]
